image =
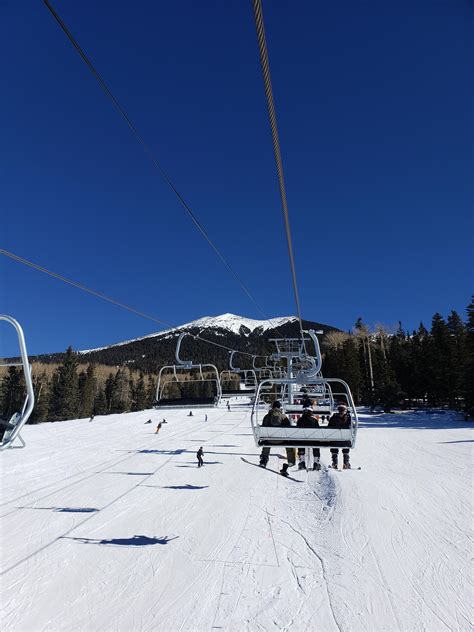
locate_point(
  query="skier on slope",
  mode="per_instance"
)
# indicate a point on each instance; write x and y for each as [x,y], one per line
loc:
[199,455]
[158,428]
[341,419]
[308,420]
[276,417]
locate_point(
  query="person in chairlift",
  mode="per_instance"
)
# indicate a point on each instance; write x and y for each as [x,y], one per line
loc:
[276,418]
[308,420]
[341,419]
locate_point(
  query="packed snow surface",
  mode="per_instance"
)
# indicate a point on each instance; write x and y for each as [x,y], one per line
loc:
[229,322]
[108,526]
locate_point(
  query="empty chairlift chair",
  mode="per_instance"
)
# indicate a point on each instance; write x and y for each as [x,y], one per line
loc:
[10,428]
[247,379]
[168,380]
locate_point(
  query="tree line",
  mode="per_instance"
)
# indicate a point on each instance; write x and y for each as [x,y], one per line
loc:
[434,366]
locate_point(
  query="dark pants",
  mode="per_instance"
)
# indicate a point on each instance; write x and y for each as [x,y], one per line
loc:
[200,461]
[301,453]
[290,455]
[345,454]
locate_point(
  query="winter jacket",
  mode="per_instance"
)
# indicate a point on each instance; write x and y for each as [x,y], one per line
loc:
[340,421]
[275,417]
[307,420]
[199,453]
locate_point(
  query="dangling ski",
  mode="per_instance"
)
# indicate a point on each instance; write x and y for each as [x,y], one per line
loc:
[269,469]
[344,469]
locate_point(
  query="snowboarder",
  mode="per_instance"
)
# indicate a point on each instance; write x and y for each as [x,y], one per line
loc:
[341,419]
[164,421]
[307,420]
[148,422]
[190,413]
[199,455]
[276,417]
[158,428]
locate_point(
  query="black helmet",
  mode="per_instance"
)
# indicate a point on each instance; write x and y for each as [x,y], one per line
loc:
[276,404]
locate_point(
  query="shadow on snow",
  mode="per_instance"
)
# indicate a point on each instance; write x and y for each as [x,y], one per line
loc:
[136,540]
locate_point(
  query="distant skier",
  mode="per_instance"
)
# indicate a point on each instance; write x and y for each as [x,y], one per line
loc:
[341,419]
[148,422]
[164,421]
[158,428]
[92,417]
[190,413]
[205,417]
[199,455]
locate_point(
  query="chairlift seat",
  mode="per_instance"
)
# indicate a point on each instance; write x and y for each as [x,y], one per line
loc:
[189,402]
[305,437]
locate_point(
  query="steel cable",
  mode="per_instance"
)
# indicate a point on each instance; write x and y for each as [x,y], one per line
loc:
[148,150]
[104,297]
[262,45]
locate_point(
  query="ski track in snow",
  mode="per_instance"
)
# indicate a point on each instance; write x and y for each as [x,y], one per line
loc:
[107,526]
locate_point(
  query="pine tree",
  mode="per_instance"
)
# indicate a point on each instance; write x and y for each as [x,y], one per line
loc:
[41,387]
[438,360]
[12,392]
[120,400]
[108,391]
[100,403]
[150,391]
[88,392]
[401,363]
[469,373]
[139,394]
[65,393]
[457,360]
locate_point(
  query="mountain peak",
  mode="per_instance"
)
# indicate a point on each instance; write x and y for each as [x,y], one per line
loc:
[234,322]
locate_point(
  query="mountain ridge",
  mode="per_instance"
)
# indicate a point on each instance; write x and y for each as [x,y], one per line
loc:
[149,352]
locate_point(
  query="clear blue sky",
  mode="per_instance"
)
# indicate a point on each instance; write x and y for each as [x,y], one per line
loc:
[374,103]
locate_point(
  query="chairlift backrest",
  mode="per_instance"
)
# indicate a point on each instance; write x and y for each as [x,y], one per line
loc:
[13,427]
[186,365]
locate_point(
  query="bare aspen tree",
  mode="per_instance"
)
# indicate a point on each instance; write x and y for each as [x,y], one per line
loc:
[362,331]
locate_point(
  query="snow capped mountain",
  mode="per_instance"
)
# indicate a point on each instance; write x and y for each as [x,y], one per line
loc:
[228,322]
[234,323]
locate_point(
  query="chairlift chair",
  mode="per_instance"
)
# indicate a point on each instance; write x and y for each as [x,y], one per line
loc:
[248,378]
[10,429]
[310,376]
[186,365]
[292,436]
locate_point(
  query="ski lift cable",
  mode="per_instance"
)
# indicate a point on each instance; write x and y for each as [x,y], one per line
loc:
[149,151]
[104,297]
[262,44]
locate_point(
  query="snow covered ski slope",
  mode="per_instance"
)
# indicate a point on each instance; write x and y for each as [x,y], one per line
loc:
[108,526]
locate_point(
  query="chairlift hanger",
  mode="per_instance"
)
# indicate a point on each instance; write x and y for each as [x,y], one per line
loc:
[11,428]
[187,365]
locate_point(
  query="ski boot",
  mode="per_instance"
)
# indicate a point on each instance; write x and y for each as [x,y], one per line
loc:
[284,469]
[301,465]
[335,464]
[316,465]
[346,465]
[263,463]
